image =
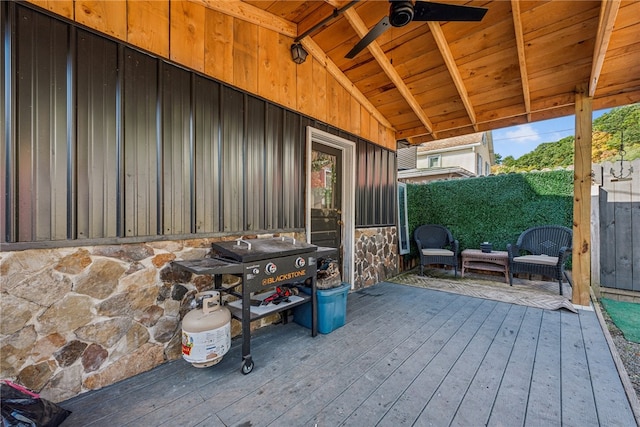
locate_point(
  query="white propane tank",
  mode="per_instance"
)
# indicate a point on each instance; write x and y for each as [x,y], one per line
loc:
[206,333]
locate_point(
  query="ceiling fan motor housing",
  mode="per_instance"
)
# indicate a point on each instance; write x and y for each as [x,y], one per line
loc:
[400,13]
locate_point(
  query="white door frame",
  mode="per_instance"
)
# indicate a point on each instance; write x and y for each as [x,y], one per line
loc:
[348,150]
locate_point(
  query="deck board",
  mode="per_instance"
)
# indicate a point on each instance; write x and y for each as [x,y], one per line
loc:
[578,402]
[478,399]
[544,395]
[406,356]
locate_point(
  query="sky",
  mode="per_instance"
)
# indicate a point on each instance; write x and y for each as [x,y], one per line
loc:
[518,140]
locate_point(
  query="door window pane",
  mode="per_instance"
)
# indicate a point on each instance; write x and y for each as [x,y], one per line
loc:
[323,180]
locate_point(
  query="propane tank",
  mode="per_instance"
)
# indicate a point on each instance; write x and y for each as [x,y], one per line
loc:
[206,333]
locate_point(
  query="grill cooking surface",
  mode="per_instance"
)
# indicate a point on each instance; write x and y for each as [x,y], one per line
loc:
[261,249]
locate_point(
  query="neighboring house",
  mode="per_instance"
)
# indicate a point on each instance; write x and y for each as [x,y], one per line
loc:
[457,157]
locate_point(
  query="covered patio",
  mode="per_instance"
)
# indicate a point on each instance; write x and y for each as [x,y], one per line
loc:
[406,356]
[87,228]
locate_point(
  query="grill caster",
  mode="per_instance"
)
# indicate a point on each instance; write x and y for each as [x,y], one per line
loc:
[247,366]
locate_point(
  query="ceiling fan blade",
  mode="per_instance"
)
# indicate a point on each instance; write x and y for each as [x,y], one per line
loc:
[429,11]
[373,34]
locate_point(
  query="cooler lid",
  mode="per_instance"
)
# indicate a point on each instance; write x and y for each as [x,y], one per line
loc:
[261,249]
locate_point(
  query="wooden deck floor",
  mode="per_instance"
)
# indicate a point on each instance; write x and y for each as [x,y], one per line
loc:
[407,356]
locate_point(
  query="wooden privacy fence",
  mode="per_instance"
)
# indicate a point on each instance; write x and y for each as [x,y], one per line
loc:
[615,226]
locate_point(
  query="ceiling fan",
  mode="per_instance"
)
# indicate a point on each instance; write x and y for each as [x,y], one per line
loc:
[401,12]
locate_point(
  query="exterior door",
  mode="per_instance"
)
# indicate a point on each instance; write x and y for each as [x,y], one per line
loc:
[326,197]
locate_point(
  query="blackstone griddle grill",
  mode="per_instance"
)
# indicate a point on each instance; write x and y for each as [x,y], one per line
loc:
[263,264]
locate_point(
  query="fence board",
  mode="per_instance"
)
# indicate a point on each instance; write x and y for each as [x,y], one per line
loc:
[619,227]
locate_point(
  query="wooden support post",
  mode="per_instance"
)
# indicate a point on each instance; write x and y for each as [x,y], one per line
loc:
[581,270]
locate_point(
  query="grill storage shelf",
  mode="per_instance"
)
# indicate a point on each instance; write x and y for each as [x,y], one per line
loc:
[263,264]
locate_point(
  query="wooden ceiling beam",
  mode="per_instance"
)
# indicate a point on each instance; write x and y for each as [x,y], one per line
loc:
[344,81]
[522,61]
[252,14]
[608,14]
[379,55]
[445,51]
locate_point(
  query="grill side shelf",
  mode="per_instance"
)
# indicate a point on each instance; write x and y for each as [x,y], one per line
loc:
[259,312]
[209,266]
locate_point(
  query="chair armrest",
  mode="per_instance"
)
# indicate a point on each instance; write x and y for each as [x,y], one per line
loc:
[563,254]
[419,245]
[454,247]
[513,251]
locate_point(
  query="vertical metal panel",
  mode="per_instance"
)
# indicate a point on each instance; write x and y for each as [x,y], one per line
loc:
[42,128]
[293,170]
[375,185]
[376,171]
[254,165]
[384,200]
[207,155]
[176,150]
[7,141]
[140,144]
[361,182]
[369,191]
[392,186]
[232,159]
[97,154]
[273,166]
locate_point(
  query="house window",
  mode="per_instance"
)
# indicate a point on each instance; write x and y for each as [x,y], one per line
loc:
[433,161]
[479,165]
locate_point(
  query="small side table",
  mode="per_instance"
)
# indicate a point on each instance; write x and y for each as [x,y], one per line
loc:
[487,261]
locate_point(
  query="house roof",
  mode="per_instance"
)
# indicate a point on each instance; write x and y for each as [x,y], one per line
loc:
[524,62]
[430,174]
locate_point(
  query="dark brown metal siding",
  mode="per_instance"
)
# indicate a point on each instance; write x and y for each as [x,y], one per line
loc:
[207,162]
[176,150]
[232,160]
[273,167]
[97,136]
[254,165]
[104,142]
[293,171]
[42,128]
[141,106]
[375,186]
[6,126]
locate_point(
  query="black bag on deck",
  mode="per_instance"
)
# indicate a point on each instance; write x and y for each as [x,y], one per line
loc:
[22,409]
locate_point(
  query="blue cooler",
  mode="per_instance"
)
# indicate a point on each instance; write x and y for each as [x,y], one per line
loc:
[332,309]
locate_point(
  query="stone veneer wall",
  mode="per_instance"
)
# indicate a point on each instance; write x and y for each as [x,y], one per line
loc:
[77,319]
[376,255]
[81,318]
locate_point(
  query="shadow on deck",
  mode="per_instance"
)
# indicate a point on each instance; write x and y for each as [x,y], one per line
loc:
[406,356]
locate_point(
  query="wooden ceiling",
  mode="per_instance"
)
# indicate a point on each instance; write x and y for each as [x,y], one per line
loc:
[433,80]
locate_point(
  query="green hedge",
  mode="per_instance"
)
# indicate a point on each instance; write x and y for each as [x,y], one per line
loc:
[494,208]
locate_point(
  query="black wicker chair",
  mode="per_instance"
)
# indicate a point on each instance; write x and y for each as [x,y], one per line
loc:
[541,250]
[436,246]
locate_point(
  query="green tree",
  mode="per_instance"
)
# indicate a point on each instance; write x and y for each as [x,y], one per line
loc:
[619,123]
[608,131]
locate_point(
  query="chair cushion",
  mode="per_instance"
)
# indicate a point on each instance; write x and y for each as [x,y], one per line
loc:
[437,252]
[537,259]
